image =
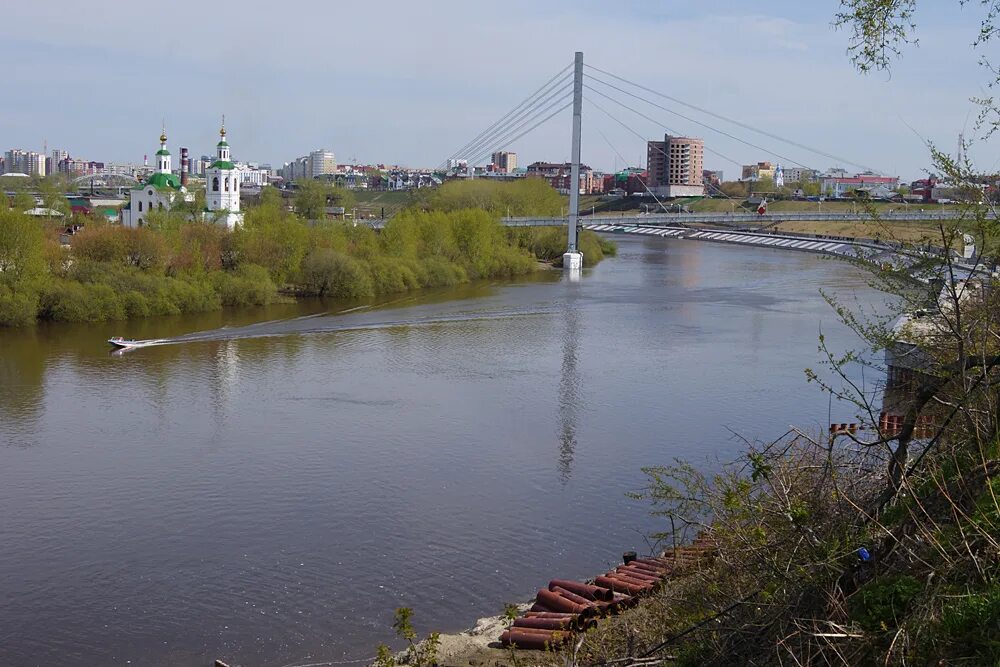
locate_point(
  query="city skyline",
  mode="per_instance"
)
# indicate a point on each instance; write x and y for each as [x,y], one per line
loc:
[415,87]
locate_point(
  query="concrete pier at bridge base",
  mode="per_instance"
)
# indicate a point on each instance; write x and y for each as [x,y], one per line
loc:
[572,261]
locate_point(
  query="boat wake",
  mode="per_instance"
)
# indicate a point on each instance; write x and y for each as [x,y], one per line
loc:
[326,323]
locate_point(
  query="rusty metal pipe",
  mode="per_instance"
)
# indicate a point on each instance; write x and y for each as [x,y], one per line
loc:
[557,602]
[537,640]
[588,591]
[549,614]
[644,585]
[657,571]
[638,574]
[619,586]
[545,623]
[572,597]
[576,621]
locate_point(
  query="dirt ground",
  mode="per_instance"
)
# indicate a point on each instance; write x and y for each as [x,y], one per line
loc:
[900,231]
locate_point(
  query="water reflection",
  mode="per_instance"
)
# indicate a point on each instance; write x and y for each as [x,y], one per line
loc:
[22,384]
[569,384]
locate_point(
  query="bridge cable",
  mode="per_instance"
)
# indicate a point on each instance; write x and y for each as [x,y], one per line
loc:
[502,119]
[608,141]
[543,121]
[652,120]
[544,86]
[568,103]
[735,122]
[697,122]
[509,137]
[510,122]
[520,120]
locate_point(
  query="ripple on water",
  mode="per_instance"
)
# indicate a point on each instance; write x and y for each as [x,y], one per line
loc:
[267,491]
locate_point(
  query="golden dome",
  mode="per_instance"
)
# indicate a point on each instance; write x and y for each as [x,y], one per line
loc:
[163,138]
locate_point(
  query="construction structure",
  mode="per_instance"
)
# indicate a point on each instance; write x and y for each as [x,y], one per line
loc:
[675,167]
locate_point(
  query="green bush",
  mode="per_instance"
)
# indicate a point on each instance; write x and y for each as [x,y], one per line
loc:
[442,273]
[67,301]
[136,305]
[549,243]
[392,275]
[969,625]
[881,604]
[326,272]
[249,285]
[17,308]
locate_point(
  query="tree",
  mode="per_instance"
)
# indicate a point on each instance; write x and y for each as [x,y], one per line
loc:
[22,257]
[764,185]
[882,29]
[314,196]
[326,272]
[271,196]
[51,190]
[528,196]
[848,548]
[809,188]
[735,189]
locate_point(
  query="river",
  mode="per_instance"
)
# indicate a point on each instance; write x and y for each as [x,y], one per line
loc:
[270,485]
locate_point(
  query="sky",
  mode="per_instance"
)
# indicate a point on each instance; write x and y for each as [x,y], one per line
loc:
[410,83]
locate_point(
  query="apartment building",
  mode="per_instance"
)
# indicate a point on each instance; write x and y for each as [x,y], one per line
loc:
[504,162]
[675,166]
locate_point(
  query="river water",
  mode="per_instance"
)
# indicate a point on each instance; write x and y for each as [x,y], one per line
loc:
[267,488]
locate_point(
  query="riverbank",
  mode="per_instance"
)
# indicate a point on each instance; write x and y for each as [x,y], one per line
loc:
[173,267]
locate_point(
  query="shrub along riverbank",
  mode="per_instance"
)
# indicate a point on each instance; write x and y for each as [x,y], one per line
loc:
[179,265]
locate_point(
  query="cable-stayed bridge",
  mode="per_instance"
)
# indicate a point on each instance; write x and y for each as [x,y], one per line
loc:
[577,83]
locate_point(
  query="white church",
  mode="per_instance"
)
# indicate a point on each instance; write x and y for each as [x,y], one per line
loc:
[160,191]
[222,187]
[163,189]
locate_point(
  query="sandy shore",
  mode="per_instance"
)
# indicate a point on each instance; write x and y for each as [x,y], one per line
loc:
[479,646]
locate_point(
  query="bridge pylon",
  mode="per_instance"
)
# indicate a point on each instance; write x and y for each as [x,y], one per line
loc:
[573,258]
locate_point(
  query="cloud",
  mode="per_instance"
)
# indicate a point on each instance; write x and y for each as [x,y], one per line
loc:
[410,82]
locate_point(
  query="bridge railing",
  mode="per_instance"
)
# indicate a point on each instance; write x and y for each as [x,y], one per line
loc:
[656,219]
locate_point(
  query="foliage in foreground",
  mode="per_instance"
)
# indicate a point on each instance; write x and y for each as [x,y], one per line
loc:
[417,654]
[880,546]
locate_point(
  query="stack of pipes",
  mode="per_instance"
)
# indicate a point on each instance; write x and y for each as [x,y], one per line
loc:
[568,606]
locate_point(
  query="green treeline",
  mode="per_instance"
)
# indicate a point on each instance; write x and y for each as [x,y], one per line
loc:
[178,264]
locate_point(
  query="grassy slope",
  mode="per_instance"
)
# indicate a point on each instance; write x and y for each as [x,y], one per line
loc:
[373,202]
[903,231]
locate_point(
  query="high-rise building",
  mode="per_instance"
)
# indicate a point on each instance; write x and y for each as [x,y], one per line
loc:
[656,163]
[317,163]
[504,162]
[53,163]
[675,166]
[321,162]
[17,161]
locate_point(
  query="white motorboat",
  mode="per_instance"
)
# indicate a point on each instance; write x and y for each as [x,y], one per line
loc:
[130,343]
